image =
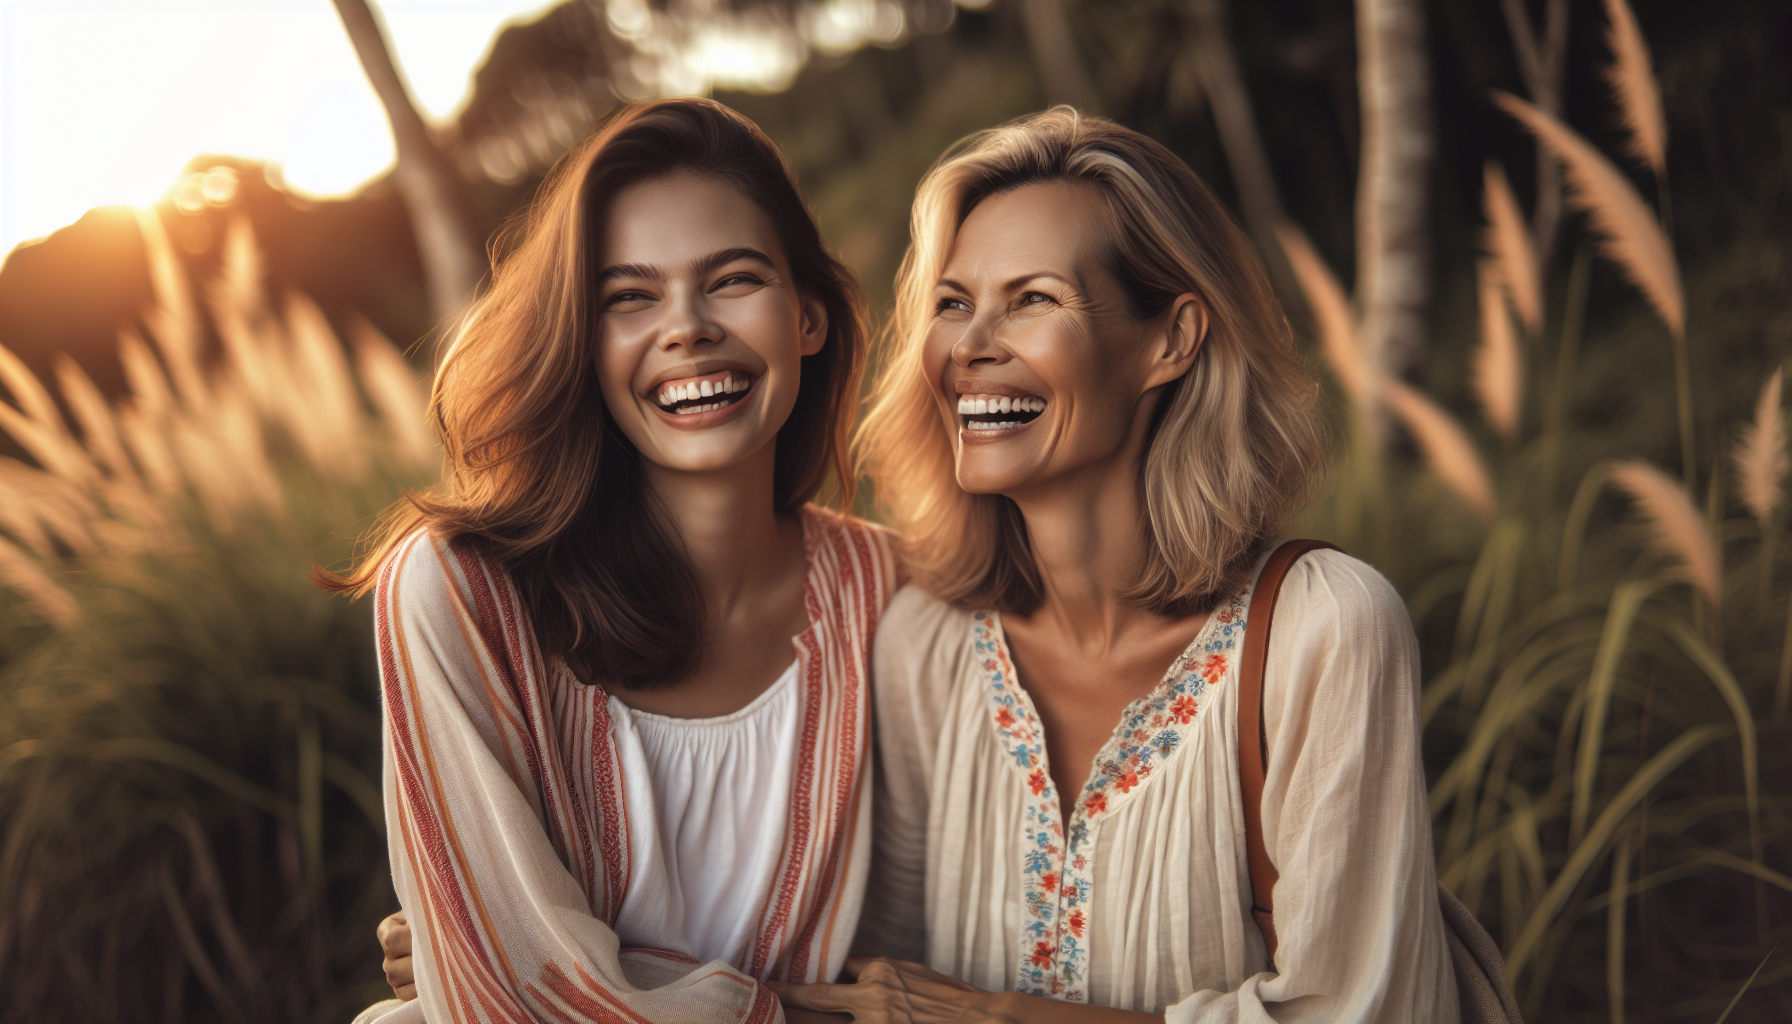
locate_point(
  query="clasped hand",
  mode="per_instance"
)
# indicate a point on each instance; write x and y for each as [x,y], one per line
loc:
[885,991]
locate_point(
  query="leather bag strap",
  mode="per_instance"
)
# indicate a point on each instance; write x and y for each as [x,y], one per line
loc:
[1253,743]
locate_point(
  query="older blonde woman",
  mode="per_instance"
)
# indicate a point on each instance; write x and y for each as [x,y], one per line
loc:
[1092,428]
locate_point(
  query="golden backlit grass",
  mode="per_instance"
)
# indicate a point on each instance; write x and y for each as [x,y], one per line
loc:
[1610,753]
[190,823]
[189,816]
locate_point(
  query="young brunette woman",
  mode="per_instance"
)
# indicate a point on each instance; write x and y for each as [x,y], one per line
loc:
[1093,427]
[624,664]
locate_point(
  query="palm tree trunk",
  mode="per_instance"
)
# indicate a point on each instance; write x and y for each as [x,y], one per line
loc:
[1060,69]
[431,189]
[1393,248]
[1252,176]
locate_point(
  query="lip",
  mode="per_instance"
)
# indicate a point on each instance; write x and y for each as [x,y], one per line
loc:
[704,368]
[714,417]
[967,436]
[976,437]
[990,387]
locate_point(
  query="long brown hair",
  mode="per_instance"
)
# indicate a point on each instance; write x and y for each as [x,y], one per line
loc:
[536,473]
[1235,446]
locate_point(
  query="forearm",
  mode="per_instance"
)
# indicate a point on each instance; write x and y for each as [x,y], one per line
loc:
[1040,1010]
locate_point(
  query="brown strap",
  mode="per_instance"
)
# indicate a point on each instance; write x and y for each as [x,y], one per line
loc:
[1253,744]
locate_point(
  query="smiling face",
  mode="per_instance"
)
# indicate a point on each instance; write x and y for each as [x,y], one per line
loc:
[701,331]
[1040,370]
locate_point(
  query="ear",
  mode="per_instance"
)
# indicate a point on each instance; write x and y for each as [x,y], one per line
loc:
[814,325]
[1177,343]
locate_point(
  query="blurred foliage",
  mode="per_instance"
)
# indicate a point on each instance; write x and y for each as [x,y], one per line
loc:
[189,732]
[189,820]
[1607,744]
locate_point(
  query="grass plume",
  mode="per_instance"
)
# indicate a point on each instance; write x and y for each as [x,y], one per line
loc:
[25,575]
[1448,450]
[190,826]
[1508,241]
[1633,83]
[1760,456]
[1499,361]
[1332,312]
[1678,526]
[1628,232]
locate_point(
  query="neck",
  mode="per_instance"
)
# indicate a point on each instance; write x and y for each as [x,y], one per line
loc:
[1088,542]
[728,522]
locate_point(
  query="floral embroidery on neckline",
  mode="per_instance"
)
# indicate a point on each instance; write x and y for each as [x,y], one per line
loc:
[1059,876]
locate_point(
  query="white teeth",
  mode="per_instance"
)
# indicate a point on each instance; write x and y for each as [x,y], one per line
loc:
[993,405]
[672,394]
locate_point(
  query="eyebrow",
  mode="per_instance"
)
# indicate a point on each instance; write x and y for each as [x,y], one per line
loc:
[703,265]
[1013,282]
[727,256]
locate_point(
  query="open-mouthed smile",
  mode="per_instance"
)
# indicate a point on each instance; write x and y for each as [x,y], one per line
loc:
[710,392]
[994,415]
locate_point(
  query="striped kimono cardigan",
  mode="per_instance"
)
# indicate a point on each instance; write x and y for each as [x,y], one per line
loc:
[512,800]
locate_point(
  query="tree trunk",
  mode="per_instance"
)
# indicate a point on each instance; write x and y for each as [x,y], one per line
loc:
[1541,62]
[1252,176]
[1060,69]
[432,191]
[1393,250]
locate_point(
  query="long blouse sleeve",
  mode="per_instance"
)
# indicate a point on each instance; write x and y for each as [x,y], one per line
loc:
[1345,815]
[506,899]
[914,664]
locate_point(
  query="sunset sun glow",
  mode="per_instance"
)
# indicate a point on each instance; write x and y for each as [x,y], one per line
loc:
[104,101]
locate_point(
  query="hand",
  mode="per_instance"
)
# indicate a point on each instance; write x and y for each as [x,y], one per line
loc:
[395,941]
[894,992]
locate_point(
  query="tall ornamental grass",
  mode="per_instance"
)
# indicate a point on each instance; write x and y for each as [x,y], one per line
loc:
[190,821]
[1609,731]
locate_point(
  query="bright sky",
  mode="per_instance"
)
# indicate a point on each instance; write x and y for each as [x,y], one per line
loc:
[103,101]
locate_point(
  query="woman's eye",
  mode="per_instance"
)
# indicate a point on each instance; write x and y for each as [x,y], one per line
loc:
[627,298]
[952,305]
[1035,298]
[736,280]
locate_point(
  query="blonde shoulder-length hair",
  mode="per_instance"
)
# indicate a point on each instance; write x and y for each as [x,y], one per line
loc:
[1235,447]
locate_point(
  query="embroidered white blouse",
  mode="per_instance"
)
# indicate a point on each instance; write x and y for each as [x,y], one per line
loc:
[542,879]
[1142,900]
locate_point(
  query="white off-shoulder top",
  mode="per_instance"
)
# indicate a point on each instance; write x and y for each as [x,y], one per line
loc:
[717,825]
[1142,900]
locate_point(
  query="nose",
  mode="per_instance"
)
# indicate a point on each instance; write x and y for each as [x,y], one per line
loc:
[687,323]
[978,346]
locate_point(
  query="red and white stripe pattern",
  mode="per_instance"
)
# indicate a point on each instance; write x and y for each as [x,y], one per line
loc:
[508,812]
